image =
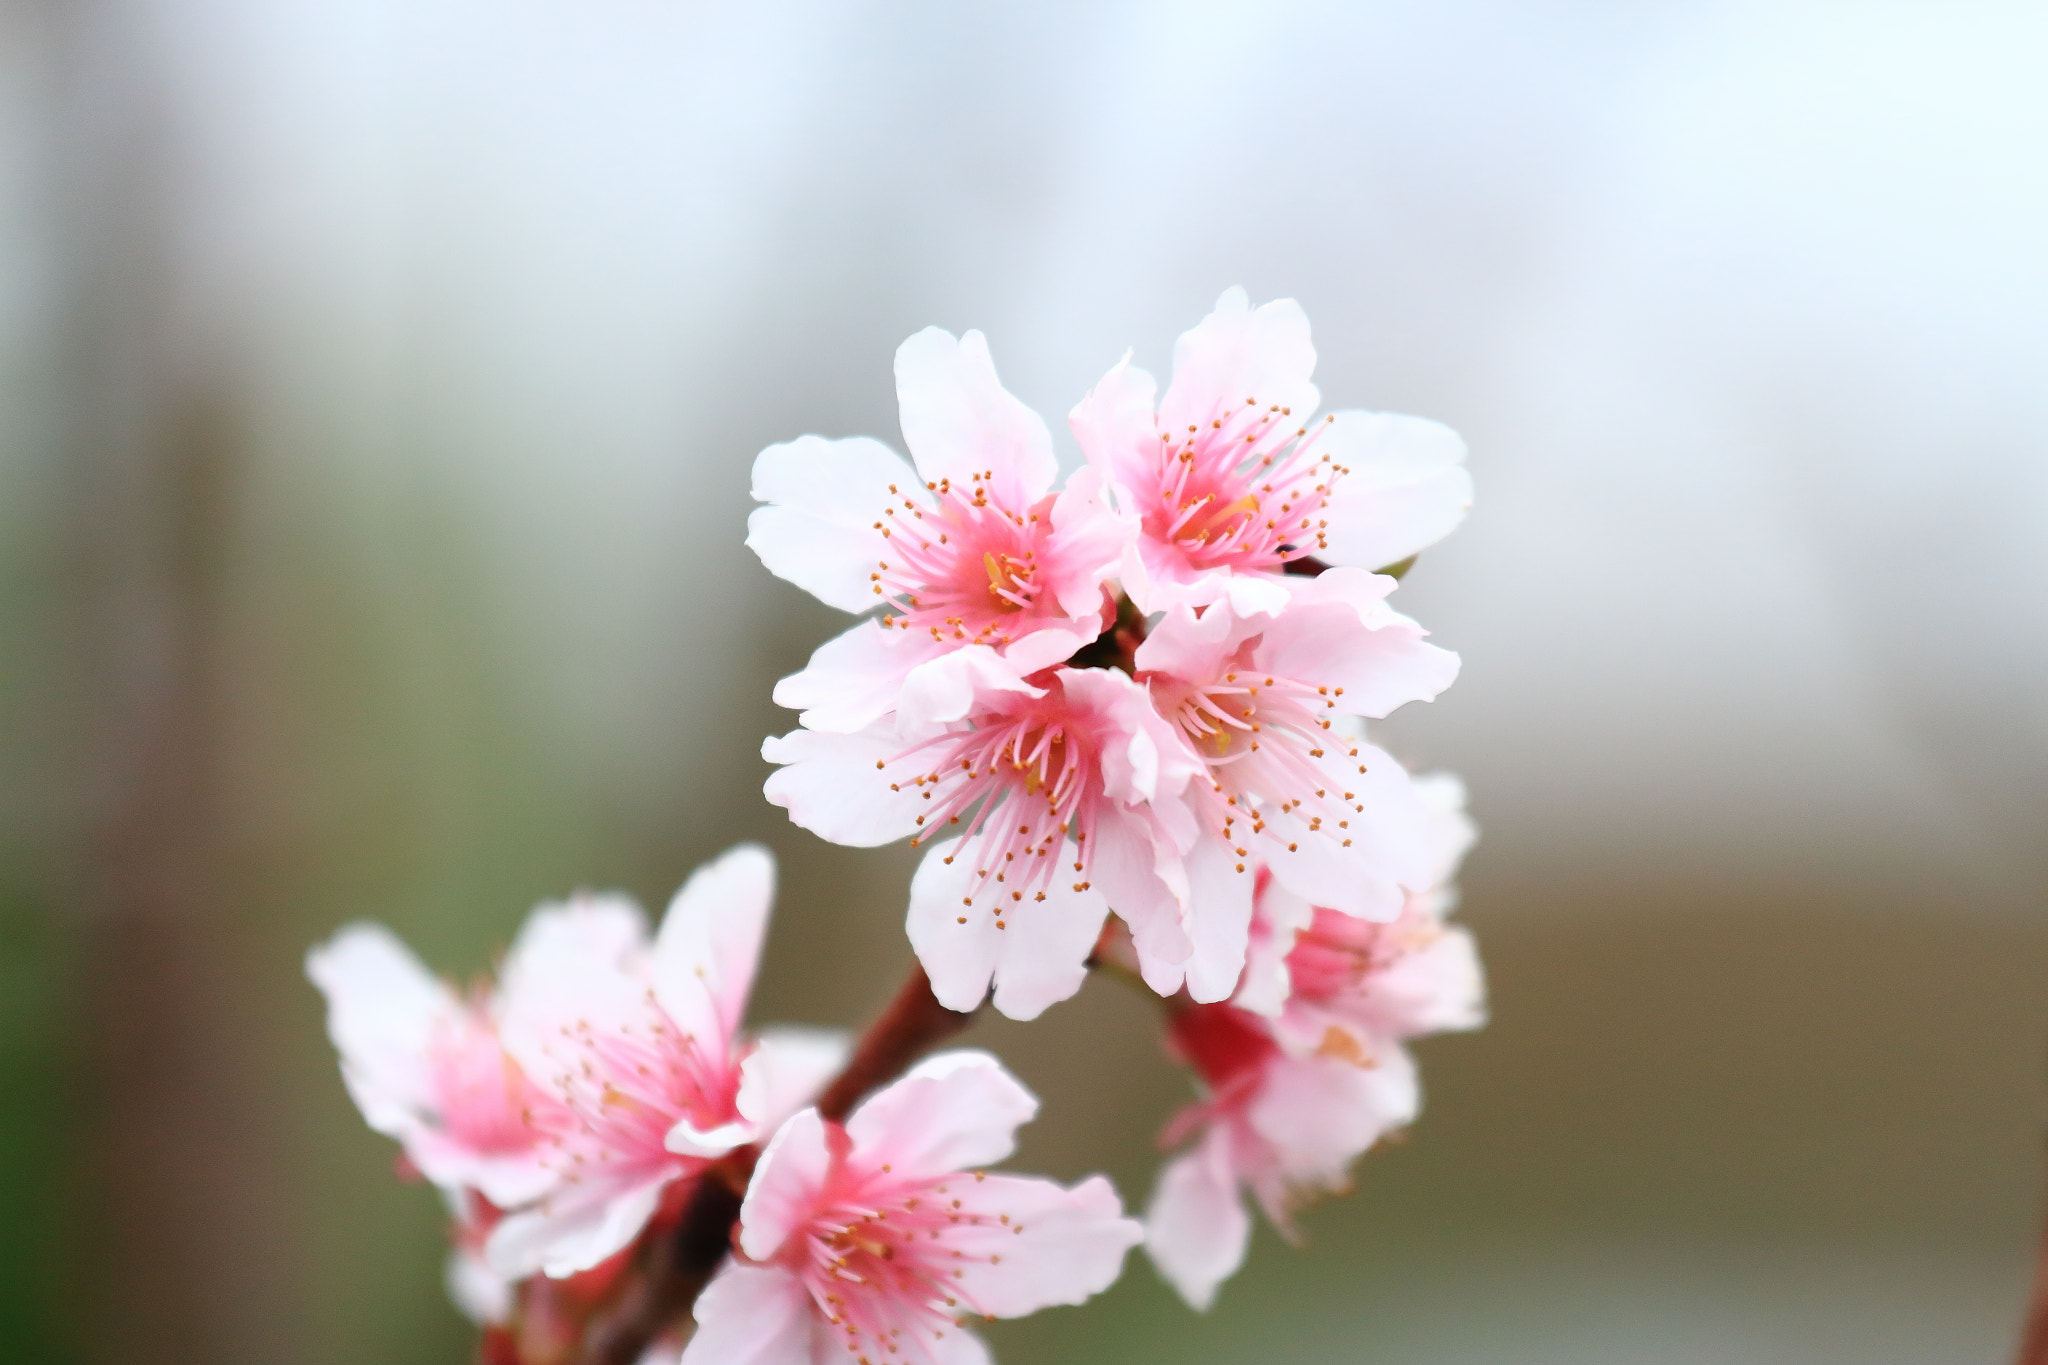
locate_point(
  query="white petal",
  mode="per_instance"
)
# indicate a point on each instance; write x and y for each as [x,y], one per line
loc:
[1278,916]
[839,786]
[753,1315]
[1338,634]
[1438,988]
[1405,487]
[952,687]
[594,929]
[1451,831]
[483,1296]
[788,1182]
[1389,843]
[1322,1113]
[1037,958]
[710,943]
[1088,542]
[1036,1245]
[786,1070]
[1114,423]
[952,1111]
[1219,919]
[382,1007]
[574,1230]
[824,498]
[958,420]
[853,678]
[1240,352]
[1197,1229]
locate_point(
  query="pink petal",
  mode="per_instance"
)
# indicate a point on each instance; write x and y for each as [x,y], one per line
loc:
[1114,423]
[853,679]
[1037,957]
[710,943]
[601,931]
[824,498]
[1197,1229]
[839,786]
[951,1111]
[1219,920]
[952,687]
[1087,544]
[786,1186]
[1406,487]
[1278,915]
[785,1072]
[1322,1113]
[757,1315]
[1451,831]
[958,420]
[1388,851]
[1437,988]
[1239,352]
[574,1229]
[1036,1244]
[382,1007]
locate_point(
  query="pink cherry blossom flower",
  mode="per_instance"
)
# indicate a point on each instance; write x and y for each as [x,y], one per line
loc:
[426,1065]
[1230,476]
[871,1243]
[1285,1128]
[641,1052]
[1068,795]
[970,547]
[1294,1098]
[1269,702]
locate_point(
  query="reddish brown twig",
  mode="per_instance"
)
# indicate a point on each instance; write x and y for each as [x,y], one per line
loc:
[2034,1344]
[673,1269]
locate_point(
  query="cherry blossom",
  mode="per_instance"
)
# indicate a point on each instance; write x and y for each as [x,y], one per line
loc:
[1270,702]
[872,1242]
[971,547]
[1231,477]
[639,1048]
[1293,1099]
[1065,795]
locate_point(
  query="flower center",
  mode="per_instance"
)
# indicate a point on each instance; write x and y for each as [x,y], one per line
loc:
[626,1086]
[481,1095]
[881,1272]
[1246,490]
[964,569]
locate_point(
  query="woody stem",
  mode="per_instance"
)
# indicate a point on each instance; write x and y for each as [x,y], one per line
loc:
[674,1269]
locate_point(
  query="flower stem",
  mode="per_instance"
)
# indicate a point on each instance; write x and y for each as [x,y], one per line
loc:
[674,1268]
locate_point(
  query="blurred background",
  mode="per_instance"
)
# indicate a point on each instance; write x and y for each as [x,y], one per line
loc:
[378,385]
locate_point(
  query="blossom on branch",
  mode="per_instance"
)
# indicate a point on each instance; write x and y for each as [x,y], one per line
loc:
[971,547]
[872,1242]
[1231,477]
[1305,1069]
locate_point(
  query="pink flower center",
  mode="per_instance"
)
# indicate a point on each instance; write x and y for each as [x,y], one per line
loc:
[481,1096]
[879,1263]
[1244,491]
[1022,782]
[1265,740]
[966,569]
[624,1087]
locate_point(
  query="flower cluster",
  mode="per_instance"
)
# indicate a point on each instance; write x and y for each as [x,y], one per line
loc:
[1124,714]
[1141,692]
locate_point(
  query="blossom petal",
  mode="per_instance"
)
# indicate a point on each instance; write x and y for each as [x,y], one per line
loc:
[1219,920]
[1035,1244]
[1337,632]
[1115,423]
[586,929]
[1451,833]
[787,1184]
[382,1007]
[824,497]
[959,421]
[1087,544]
[482,1295]
[1197,1228]
[1404,489]
[1241,352]
[948,689]
[710,943]
[850,789]
[1438,988]
[1322,1113]
[1278,917]
[756,1315]
[853,678]
[966,932]
[785,1072]
[1384,850]
[951,1111]
[574,1229]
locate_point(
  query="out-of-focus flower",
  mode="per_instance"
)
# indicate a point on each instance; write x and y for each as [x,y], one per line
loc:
[1304,1070]
[426,1066]
[971,547]
[873,1241]
[640,1050]
[1230,477]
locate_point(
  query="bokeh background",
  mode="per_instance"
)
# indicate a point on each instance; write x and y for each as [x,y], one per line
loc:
[378,385]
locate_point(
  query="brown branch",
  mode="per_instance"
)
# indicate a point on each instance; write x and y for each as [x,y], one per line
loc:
[674,1269]
[2034,1345]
